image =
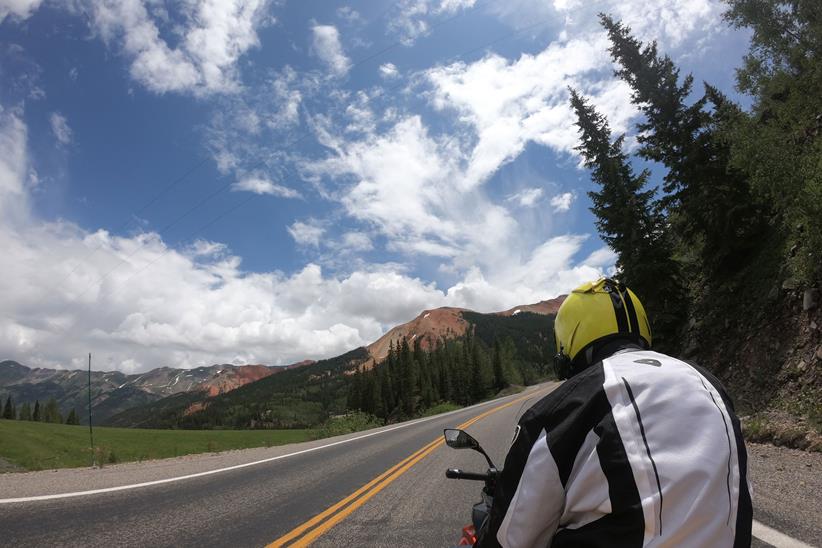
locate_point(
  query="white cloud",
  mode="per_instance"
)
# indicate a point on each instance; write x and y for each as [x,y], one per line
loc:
[19,9]
[14,169]
[137,303]
[287,98]
[241,130]
[327,47]
[602,257]
[527,197]
[562,202]
[670,22]
[60,128]
[205,248]
[215,35]
[511,103]
[356,241]
[452,6]
[349,14]
[389,70]
[413,18]
[261,185]
[309,233]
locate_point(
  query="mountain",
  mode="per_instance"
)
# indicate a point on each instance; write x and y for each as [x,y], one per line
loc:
[551,306]
[430,326]
[296,397]
[113,391]
[447,323]
[306,395]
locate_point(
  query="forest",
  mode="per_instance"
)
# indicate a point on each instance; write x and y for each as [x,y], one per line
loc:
[726,250]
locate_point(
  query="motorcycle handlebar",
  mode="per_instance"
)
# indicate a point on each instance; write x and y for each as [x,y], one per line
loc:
[456,473]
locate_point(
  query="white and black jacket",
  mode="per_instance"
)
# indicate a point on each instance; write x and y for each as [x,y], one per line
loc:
[640,449]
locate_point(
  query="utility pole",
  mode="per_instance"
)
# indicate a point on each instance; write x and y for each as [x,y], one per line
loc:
[90,431]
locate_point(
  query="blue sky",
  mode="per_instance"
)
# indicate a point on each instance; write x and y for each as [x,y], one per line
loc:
[183,183]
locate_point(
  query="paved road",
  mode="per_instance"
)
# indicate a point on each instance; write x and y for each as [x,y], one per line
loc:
[414,505]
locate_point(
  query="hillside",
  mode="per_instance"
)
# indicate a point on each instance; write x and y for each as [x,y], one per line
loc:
[294,398]
[113,391]
[310,394]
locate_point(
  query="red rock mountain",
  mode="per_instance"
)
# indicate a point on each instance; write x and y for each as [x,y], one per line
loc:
[445,322]
[551,306]
[228,379]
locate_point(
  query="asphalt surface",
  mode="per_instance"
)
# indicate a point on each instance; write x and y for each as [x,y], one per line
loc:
[257,505]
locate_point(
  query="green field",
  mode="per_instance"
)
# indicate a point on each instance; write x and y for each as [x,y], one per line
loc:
[41,446]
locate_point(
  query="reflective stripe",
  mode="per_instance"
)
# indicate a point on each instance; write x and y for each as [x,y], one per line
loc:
[632,318]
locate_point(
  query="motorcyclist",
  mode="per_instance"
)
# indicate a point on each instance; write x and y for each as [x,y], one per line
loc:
[636,448]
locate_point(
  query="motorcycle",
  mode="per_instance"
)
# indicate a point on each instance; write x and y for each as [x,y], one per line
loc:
[459,439]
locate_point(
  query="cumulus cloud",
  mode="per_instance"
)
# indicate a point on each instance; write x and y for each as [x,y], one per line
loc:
[14,167]
[309,233]
[508,104]
[215,35]
[327,47]
[19,9]
[261,185]
[400,182]
[671,22]
[349,14]
[138,303]
[413,18]
[527,197]
[356,241]
[562,202]
[389,70]
[60,128]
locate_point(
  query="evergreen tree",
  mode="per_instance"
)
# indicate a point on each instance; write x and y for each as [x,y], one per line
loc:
[37,415]
[52,412]
[714,208]
[630,224]
[8,409]
[499,372]
[779,142]
[72,417]
[354,400]
[408,376]
[25,412]
[387,390]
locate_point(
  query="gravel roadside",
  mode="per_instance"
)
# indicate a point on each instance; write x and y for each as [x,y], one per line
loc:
[787,490]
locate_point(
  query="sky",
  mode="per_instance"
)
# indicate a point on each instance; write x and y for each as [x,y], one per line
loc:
[192,182]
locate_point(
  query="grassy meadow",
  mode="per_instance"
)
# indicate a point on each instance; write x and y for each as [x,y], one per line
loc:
[42,446]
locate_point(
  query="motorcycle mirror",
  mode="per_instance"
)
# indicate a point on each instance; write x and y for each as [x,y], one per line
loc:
[459,439]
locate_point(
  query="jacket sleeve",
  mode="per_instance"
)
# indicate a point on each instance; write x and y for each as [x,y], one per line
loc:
[529,495]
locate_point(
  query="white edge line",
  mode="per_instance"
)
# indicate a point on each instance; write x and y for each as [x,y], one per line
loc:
[774,537]
[238,466]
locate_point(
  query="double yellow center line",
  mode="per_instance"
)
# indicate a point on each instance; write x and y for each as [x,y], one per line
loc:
[308,532]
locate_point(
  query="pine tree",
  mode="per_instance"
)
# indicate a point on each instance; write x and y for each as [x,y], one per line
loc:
[52,412]
[8,410]
[72,417]
[354,400]
[408,374]
[630,223]
[25,412]
[37,415]
[499,372]
[715,210]
[779,142]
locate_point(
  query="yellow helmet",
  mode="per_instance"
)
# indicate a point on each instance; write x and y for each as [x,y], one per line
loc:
[595,311]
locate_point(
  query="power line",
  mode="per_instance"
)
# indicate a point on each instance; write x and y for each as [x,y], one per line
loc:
[174,182]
